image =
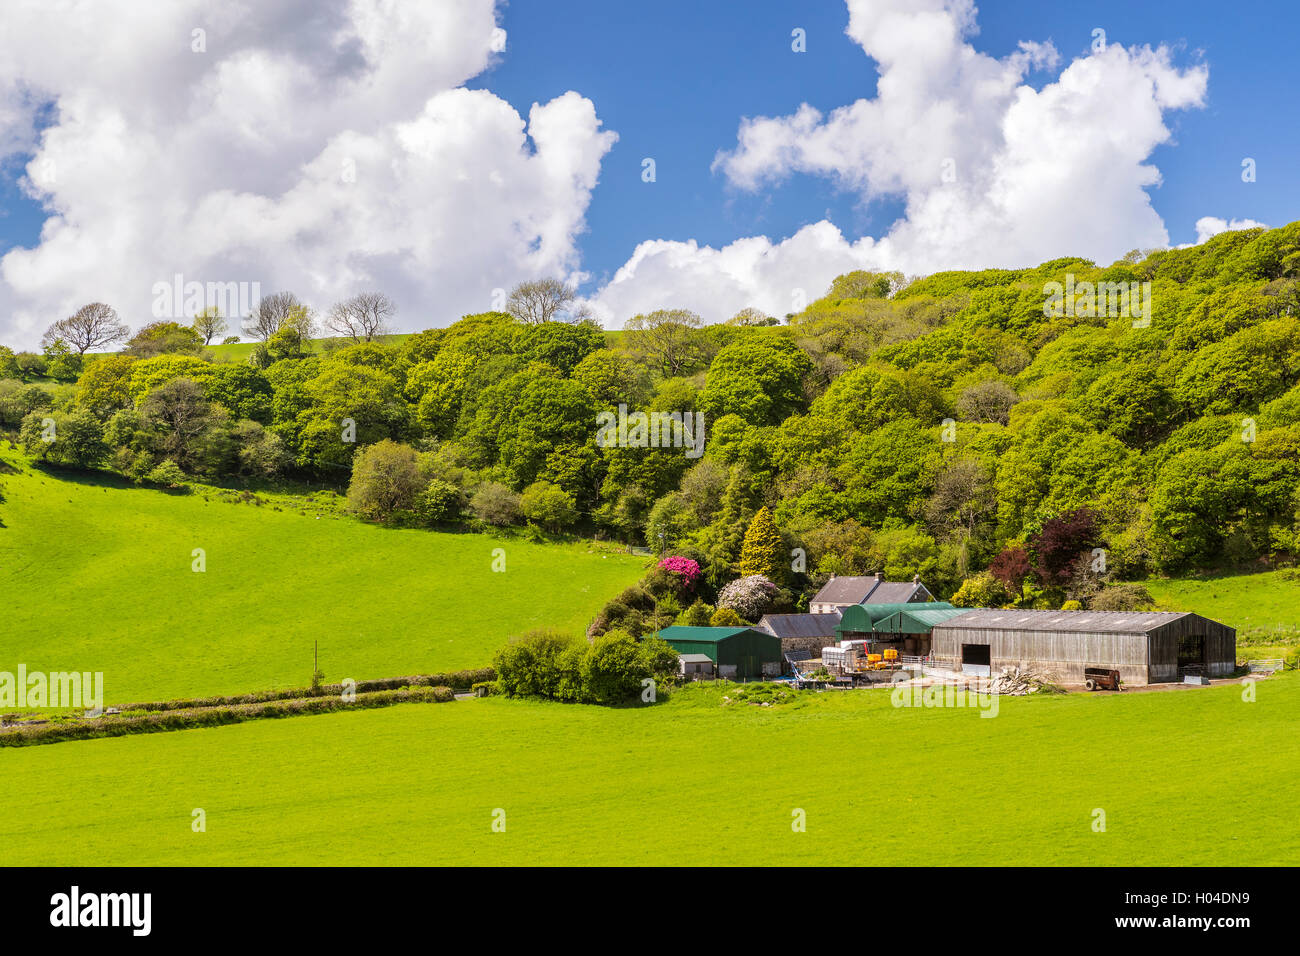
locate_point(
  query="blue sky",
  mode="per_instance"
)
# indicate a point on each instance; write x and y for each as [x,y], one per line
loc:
[674,80]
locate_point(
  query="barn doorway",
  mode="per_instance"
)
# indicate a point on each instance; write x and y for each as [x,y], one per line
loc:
[976,660]
[1191,655]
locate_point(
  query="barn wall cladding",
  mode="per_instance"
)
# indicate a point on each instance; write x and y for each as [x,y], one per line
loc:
[1146,648]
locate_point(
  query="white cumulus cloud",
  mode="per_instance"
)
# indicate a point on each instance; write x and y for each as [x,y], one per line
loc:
[778,277]
[322,146]
[1208,227]
[991,171]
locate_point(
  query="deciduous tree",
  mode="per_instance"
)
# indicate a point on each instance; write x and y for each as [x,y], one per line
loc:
[385,478]
[548,505]
[362,317]
[669,339]
[1060,542]
[544,300]
[164,338]
[209,324]
[92,327]
[180,415]
[271,313]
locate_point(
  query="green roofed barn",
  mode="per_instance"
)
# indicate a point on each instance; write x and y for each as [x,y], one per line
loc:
[741,653]
[860,619]
[905,627]
[918,619]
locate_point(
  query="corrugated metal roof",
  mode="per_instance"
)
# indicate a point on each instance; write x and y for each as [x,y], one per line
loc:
[917,619]
[862,619]
[800,625]
[704,635]
[1112,622]
[878,612]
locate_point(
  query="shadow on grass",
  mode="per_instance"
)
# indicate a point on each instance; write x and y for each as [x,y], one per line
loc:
[88,477]
[96,478]
[248,490]
[1224,572]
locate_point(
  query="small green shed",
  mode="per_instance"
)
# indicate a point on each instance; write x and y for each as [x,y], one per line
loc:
[740,652]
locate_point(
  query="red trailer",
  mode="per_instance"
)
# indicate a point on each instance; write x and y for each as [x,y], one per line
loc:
[1099,678]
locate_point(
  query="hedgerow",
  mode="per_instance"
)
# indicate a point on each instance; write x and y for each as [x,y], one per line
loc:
[163,720]
[458,679]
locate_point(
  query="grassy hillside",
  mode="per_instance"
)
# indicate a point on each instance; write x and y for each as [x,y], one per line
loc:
[239,351]
[1264,608]
[685,781]
[97,577]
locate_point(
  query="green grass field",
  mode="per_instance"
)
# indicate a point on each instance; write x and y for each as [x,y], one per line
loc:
[239,351]
[1190,777]
[98,577]
[235,352]
[1263,607]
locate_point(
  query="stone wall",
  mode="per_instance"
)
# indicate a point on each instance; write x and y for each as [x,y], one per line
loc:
[813,645]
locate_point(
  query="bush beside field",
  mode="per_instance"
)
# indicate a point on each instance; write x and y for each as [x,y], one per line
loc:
[457,680]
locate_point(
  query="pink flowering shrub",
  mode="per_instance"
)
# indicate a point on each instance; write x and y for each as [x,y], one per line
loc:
[687,569]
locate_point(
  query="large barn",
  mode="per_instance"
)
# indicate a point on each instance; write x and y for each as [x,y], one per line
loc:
[1145,647]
